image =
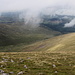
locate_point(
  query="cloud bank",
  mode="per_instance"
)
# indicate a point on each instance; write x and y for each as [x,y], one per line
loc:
[70,24]
[35,5]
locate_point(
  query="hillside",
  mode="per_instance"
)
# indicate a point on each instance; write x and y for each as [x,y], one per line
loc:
[15,30]
[21,34]
[59,22]
[16,33]
[62,43]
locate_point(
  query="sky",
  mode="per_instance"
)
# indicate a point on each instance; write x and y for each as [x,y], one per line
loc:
[34,5]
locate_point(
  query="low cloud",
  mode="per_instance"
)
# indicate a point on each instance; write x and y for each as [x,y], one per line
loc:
[70,24]
[13,5]
[34,7]
[32,19]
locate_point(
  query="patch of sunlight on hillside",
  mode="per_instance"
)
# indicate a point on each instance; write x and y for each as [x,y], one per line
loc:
[55,47]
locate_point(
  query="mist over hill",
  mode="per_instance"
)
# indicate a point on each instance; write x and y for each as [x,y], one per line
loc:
[28,26]
[37,37]
[15,29]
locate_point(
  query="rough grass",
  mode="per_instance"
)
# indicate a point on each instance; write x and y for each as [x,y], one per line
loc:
[38,63]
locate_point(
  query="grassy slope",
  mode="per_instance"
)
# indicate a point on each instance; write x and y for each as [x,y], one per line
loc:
[16,33]
[38,63]
[15,36]
[62,43]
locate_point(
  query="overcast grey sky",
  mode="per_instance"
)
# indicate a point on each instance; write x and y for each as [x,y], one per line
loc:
[8,5]
[62,7]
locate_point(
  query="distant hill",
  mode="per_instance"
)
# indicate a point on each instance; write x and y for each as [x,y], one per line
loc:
[57,23]
[16,33]
[13,30]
